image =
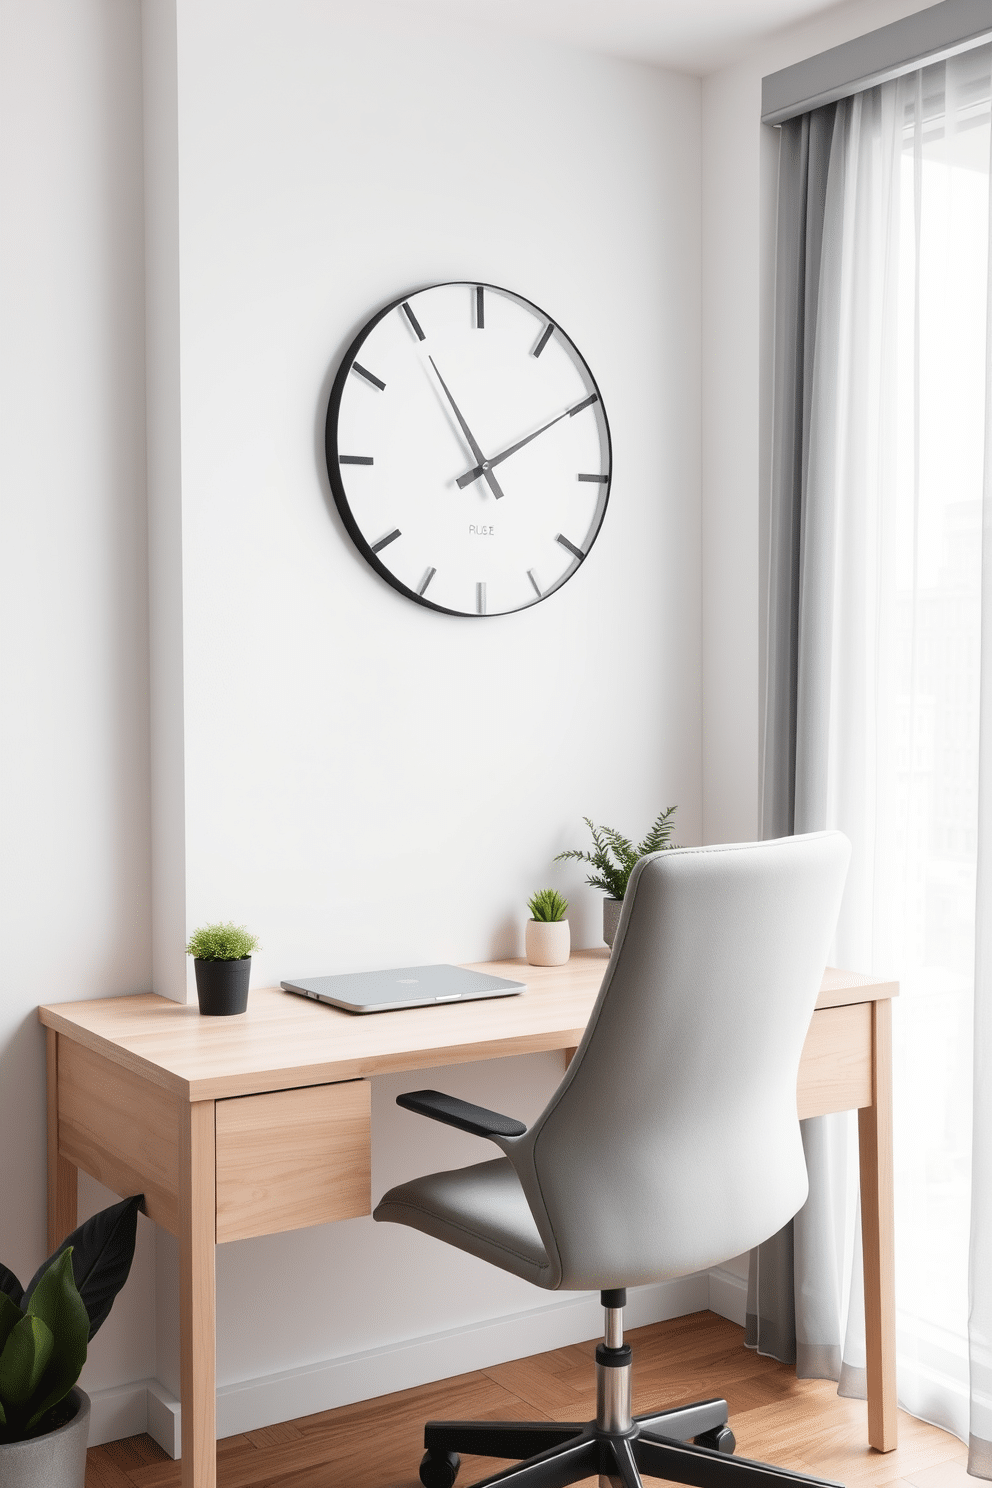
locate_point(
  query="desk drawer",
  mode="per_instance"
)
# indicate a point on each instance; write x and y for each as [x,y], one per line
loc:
[293,1158]
[835,1069]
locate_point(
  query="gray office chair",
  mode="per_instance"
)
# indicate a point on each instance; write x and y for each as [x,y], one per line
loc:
[671,1143]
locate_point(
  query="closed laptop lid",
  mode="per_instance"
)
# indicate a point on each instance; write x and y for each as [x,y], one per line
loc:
[402,987]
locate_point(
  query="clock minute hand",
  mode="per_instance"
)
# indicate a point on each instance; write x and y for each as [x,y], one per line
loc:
[484,464]
[482,469]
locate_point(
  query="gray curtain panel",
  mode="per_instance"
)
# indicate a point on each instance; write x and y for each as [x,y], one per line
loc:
[788,1316]
[802,189]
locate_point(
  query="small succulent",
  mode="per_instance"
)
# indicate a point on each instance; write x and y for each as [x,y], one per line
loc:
[547,904]
[222,942]
[614,856]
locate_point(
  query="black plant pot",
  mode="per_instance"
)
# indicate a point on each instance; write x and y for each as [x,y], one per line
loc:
[222,986]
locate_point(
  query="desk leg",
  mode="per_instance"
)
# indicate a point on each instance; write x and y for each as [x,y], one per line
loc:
[62,1175]
[877,1235]
[197,1296]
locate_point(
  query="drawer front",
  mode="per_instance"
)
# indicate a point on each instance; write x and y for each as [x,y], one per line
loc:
[835,1069]
[293,1158]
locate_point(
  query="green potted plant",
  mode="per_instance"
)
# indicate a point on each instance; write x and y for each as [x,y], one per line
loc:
[45,1328]
[613,857]
[547,938]
[222,961]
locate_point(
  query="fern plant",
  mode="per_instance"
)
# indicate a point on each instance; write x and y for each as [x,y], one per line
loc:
[614,855]
[547,905]
[222,942]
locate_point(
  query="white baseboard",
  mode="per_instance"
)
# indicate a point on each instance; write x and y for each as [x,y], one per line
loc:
[727,1294]
[127,1410]
[164,1419]
[146,1405]
[253,1403]
[120,1411]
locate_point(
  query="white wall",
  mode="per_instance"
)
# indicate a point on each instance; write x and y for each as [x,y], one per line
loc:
[320,173]
[367,782]
[740,163]
[74,819]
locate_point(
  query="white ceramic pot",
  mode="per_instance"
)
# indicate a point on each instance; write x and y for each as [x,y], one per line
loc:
[547,942]
[57,1460]
[611,919]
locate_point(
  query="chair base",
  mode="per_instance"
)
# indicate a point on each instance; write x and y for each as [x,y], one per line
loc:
[690,1444]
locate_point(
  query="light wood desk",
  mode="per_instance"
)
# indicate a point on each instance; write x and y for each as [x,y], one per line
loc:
[244,1126]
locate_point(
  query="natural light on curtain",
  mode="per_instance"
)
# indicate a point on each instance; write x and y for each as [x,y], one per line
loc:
[893,604]
[928,713]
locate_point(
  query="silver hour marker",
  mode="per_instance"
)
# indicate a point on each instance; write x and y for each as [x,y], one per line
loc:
[536,586]
[426,580]
[560,538]
[597,480]
[369,376]
[354,459]
[480,599]
[480,308]
[586,403]
[413,321]
[385,541]
[545,338]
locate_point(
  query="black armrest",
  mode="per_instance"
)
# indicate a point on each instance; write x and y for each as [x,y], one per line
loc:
[455,1112]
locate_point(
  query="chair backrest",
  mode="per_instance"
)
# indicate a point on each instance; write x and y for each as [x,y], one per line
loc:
[673,1143]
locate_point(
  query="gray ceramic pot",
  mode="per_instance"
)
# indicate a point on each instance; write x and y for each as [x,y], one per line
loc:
[611,919]
[57,1460]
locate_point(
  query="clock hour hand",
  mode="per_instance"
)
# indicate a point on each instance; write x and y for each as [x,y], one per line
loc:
[484,464]
[482,469]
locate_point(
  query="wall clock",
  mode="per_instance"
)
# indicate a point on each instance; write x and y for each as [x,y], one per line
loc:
[468,449]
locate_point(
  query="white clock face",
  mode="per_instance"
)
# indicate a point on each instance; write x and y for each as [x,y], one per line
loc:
[468,449]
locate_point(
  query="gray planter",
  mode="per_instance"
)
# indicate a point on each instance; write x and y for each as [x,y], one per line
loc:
[57,1460]
[611,919]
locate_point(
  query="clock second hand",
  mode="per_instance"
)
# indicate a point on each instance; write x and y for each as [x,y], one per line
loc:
[483,468]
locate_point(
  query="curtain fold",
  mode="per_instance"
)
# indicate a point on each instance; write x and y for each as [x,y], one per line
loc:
[802,189]
[980,1246]
[871,722]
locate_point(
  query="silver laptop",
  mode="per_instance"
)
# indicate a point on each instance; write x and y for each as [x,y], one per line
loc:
[403,987]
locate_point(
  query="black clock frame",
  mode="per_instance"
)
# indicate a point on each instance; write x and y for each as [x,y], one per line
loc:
[334,467]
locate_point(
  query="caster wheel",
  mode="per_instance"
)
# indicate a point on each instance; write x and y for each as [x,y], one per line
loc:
[439,1469]
[720,1439]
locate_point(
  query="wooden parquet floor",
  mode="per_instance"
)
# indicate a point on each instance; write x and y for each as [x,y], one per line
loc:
[801,1424]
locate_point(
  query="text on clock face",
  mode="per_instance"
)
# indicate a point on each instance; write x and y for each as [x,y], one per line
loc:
[481,531]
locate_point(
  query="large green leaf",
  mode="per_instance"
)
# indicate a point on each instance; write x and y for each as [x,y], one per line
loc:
[24,1359]
[10,1286]
[56,1301]
[102,1251]
[10,1316]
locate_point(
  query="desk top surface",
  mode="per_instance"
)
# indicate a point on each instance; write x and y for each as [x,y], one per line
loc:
[284,1041]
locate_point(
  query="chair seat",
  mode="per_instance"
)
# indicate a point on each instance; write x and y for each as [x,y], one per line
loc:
[481,1209]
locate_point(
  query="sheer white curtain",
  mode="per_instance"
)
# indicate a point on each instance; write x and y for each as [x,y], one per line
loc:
[890,691]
